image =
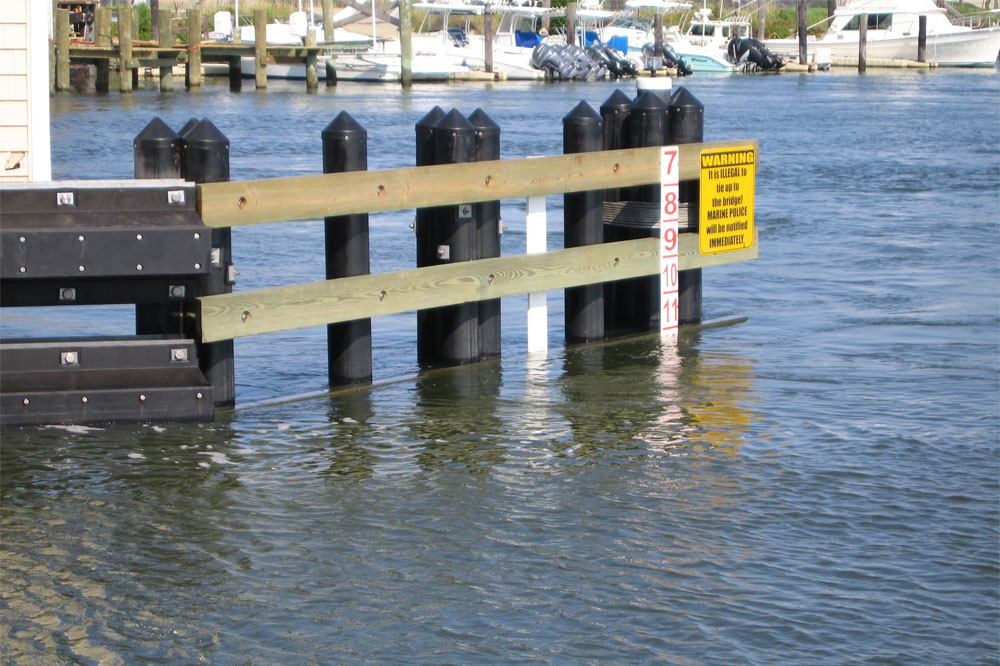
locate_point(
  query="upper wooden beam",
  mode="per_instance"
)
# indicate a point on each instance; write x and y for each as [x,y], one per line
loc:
[308,197]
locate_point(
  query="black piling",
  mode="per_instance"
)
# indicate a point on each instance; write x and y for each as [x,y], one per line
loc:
[687,125]
[182,133]
[157,155]
[454,143]
[615,120]
[583,224]
[205,159]
[349,344]
[157,151]
[423,227]
[447,234]
[487,223]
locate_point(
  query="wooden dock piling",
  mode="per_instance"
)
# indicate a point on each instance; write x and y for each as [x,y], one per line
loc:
[102,35]
[166,40]
[863,43]
[125,24]
[192,69]
[406,43]
[62,49]
[801,10]
[922,38]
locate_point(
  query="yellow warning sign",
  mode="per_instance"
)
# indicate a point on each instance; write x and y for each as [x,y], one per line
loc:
[725,210]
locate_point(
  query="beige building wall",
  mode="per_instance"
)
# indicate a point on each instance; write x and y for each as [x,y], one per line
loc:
[25,153]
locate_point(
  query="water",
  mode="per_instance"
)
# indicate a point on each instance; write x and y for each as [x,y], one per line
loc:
[816,485]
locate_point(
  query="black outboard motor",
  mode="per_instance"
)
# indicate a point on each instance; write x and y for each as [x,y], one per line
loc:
[610,59]
[619,64]
[670,58]
[753,54]
[569,62]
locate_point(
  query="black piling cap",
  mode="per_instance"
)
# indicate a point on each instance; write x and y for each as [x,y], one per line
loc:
[454,121]
[344,127]
[188,126]
[156,133]
[687,118]
[683,99]
[345,145]
[582,114]
[454,139]
[483,123]
[618,101]
[205,136]
[431,119]
[649,101]
[425,131]
[487,135]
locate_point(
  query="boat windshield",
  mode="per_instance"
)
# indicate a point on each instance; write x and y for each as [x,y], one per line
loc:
[631,24]
[875,22]
[702,29]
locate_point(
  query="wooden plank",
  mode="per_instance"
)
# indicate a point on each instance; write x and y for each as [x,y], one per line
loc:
[691,257]
[327,195]
[241,314]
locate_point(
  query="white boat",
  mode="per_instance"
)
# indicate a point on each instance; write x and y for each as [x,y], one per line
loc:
[514,39]
[625,30]
[371,59]
[704,46]
[892,33]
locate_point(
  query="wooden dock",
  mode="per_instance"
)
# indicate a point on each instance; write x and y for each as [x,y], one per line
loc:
[129,55]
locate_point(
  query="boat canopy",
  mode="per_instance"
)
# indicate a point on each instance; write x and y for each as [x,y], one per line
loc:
[889,7]
[657,5]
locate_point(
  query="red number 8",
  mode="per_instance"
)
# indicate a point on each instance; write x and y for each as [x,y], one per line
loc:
[670,207]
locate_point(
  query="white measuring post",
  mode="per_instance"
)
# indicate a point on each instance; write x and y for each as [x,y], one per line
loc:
[669,218]
[535,230]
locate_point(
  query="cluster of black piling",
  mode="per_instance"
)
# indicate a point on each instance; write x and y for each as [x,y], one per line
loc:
[653,118]
[471,331]
[468,332]
[199,153]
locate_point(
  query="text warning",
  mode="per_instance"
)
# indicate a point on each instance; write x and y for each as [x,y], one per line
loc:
[725,210]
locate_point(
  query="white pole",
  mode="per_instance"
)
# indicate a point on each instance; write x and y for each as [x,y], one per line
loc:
[538,334]
[669,241]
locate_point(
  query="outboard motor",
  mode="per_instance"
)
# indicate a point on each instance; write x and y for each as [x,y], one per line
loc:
[569,62]
[669,57]
[752,54]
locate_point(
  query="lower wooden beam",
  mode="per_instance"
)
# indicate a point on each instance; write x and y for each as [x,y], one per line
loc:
[242,314]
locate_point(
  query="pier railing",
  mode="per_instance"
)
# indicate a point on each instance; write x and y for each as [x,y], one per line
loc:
[225,316]
[639,223]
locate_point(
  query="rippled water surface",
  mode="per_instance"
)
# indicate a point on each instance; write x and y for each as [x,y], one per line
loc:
[816,485]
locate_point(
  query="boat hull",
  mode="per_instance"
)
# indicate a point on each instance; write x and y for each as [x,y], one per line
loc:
[972,48]
[375,68]
[704,62]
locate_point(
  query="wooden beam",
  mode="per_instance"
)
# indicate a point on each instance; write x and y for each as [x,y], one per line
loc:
[306,197]
[242,314]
